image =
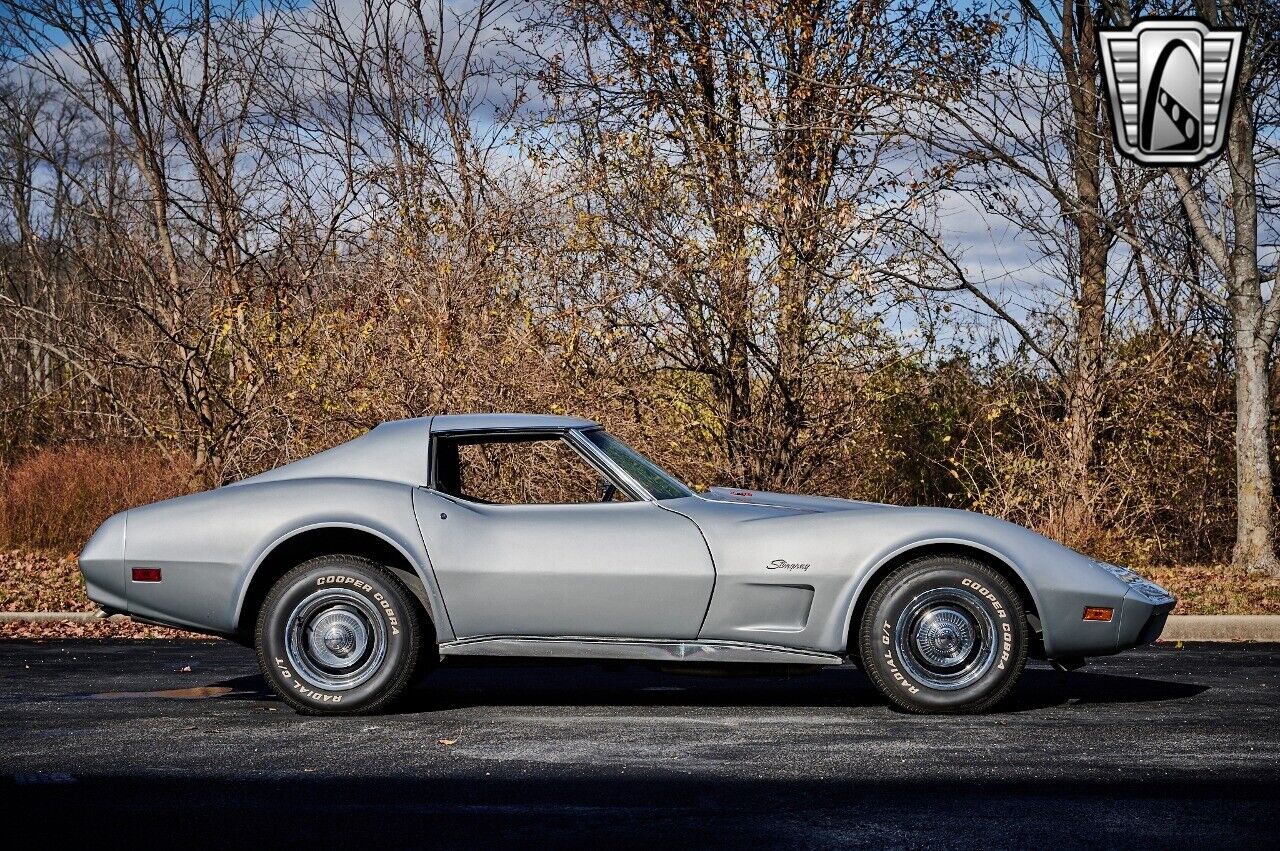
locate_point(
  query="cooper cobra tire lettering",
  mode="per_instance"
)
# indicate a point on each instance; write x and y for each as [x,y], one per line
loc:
[379,597]
[992,598]
[1006,645]
[387,610]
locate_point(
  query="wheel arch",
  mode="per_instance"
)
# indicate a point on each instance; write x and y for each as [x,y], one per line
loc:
[328,539]
[991,558]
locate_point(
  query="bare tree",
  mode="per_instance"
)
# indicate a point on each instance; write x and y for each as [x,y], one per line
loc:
[408,97]
[174,278]
[1030,144]
[1221,202]
[739,183]
[36,150]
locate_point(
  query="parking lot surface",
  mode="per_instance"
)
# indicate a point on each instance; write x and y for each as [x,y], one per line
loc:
[179,742]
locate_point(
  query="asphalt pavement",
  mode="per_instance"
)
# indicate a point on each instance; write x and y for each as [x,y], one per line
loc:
[178,743]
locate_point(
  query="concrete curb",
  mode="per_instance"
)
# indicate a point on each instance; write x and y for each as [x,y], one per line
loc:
[59,617]
[1178,627]
[1222,628]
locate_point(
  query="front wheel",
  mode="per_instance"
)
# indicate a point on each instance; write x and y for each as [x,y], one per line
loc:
[944,634]
[338,635]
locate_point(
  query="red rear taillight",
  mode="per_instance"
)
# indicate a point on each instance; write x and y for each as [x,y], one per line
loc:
[146,574]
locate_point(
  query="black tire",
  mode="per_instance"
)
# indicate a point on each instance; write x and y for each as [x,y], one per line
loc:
[944,634]
[339,635]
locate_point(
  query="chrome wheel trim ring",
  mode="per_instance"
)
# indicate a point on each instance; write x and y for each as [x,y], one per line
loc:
[335,639]
[946,639]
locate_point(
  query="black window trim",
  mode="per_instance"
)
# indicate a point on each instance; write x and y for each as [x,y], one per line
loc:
[521,434]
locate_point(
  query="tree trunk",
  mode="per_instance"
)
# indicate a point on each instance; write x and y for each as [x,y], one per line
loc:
[1084,394]
[1234,250]
[1255,527]
[1084,391]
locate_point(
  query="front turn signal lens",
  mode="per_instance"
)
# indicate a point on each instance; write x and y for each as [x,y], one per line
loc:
[1097,613]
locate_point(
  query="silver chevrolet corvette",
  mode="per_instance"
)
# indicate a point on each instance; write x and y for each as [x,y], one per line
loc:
[357,570]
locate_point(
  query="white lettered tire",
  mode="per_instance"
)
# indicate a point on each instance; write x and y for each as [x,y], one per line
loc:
[338,635]
[944,634]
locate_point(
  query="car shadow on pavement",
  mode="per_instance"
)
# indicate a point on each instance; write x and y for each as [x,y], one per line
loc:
[846,687]
[559,684]
[1041,689]
[569,684]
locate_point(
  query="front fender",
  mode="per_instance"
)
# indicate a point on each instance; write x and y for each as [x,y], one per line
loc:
[1060,581]
[831,559]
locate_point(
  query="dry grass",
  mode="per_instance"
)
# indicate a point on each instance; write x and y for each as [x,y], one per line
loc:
[54,499]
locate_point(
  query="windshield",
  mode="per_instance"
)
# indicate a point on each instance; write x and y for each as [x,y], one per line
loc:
[657,481]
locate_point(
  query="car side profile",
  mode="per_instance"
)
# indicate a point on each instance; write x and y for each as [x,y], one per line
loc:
[355,571]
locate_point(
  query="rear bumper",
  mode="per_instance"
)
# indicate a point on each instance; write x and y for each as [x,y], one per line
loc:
[102,563]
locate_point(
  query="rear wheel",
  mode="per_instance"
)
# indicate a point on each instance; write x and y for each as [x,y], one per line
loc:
[944,634]
[339,635]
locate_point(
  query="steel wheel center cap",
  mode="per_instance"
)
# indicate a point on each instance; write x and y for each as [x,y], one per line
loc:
[340,639]
[337,638]
[944,637]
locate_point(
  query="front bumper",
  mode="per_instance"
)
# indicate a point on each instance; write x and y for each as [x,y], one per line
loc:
[1142,619]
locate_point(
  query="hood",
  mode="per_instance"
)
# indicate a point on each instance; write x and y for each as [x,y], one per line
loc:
[810,504]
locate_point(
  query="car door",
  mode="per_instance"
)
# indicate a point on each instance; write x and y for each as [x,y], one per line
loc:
[540,551]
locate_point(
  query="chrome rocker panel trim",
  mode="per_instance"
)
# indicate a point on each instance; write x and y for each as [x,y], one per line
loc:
[649,650]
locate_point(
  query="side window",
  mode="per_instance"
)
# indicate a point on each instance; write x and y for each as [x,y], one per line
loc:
[520,470]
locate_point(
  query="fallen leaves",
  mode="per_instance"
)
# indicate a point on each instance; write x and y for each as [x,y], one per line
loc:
[51,582]
[41,582]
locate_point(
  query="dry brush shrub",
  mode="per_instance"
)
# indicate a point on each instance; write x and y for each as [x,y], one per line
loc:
[1167,454]
[1218,589]
[386,346]
[1162,487]
[55,498]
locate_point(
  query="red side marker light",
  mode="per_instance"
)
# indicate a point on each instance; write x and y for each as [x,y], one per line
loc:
[146,574]
[1097,613]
